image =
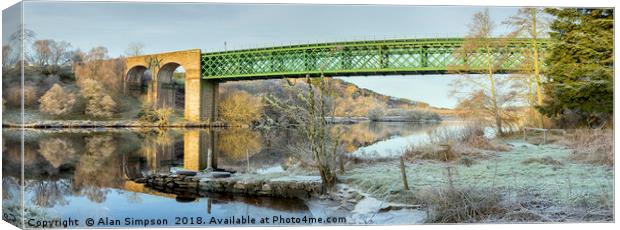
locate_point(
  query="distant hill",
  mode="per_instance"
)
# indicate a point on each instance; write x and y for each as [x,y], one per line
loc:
[350,100]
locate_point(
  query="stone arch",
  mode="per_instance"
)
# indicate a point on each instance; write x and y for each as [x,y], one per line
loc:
[136,81]
[200,97]
[137,76]
[171,94]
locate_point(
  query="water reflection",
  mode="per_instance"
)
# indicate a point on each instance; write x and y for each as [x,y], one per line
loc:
[73,173]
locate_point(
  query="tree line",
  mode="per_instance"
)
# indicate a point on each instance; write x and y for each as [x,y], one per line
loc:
[568,84]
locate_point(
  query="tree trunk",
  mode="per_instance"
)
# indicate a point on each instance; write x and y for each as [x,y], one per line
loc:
[498,119]
[536,65]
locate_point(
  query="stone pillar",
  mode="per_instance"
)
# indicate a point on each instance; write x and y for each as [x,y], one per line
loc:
[193,96]
[153,90]
[201,99]
[210,95]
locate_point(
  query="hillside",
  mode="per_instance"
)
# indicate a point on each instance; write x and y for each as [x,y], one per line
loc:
[350,100]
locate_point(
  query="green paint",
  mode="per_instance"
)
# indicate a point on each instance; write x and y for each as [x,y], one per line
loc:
[381,57]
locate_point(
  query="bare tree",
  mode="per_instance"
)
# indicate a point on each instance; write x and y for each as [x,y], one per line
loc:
[530,23]
[41,52]
[134,49]
[310,114]
[21,37]
[7,57]
[60,53]
[480,45]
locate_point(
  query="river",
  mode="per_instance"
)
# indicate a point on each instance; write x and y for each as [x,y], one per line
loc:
[84,173]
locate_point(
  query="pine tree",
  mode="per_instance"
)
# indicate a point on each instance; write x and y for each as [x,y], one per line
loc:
[580,66]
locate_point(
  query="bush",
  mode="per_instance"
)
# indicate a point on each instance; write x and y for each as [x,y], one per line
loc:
[595,146]
[461,205]
[416,114]
[448,144]
[375,114]
[56,101]
[547,160]
[240,107]
[98,103]
[159,116]
[14,95]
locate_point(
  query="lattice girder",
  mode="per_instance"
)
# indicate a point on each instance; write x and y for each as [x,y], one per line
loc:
[382,57]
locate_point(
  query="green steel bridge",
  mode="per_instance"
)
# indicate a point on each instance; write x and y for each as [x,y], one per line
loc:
[363,58]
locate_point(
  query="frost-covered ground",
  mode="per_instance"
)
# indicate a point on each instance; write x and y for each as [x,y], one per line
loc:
[541,176]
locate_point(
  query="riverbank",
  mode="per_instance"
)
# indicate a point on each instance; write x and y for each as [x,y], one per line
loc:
[359,207]
[55,124]
[193,183]
[500,186]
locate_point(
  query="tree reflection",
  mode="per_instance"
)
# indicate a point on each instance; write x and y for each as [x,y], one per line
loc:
[98,169]
[157,146]
[48,193]
[237,143]
[56,150]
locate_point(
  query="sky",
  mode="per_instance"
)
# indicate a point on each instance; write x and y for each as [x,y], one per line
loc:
[165,27]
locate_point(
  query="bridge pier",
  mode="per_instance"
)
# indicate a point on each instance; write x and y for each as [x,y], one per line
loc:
[201,99]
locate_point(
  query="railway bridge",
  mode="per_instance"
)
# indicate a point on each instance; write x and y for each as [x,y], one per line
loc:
[204,71]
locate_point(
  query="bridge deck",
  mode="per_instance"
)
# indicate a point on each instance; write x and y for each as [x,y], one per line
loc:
[381,57]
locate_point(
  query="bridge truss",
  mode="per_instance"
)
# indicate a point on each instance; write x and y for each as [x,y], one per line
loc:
[360,58]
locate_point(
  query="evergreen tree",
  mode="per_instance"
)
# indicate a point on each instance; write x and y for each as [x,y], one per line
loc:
[580,62]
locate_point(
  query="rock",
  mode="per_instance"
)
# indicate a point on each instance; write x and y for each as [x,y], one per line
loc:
[218,174]
[140,180]
[186,173]
[266,187]
[239,186]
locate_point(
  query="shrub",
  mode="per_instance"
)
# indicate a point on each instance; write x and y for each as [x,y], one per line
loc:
[467,161]
[240,107]
[593,146]
[96,66]
[421,115]
[161,116]
[461,205]
[14,95]
[56,101]
[449,144]
[547,160]
[375,114]
[98,103]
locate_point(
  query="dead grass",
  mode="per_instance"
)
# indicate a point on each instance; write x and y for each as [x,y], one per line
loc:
[547,160]
[449,145]
[594,146]
[461,205]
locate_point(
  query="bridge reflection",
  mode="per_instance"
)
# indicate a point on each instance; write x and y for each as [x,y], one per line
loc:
[200,150]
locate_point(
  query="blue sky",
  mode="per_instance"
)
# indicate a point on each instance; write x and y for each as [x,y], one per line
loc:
[166,27]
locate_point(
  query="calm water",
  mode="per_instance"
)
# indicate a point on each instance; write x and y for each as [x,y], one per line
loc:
[84,173]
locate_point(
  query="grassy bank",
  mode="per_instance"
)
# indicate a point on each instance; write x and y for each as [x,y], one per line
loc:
[531,183]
